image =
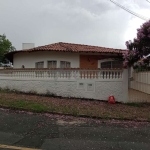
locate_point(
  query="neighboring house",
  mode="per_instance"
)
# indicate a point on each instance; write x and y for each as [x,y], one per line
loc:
[67,55]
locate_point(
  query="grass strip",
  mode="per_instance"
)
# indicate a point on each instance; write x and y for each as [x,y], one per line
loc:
[74,107]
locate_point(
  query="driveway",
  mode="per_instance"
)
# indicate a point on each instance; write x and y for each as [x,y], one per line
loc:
[54,132]
[137,96]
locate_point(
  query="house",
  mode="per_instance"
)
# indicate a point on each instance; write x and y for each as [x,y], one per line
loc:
[74,70]
[67,55]
[68,70]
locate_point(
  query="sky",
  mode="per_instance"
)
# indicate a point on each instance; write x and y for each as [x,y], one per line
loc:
[91,22]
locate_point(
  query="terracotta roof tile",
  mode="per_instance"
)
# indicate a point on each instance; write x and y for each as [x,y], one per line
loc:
[70,47]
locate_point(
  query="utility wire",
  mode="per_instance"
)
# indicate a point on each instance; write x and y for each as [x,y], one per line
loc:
[148,1]
[131,12]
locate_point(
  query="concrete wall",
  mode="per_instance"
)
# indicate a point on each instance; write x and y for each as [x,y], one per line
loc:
[99,89]
[29,59]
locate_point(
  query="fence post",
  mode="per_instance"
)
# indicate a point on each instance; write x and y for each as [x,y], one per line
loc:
[125,86]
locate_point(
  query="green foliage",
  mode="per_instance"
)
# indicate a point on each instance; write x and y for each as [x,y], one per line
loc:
[5,47]
[26,105]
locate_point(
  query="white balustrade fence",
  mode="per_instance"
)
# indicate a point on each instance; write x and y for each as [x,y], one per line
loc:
[80,83]
[60,73]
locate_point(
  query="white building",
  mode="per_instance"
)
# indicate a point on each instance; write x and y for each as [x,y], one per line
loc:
[66,55]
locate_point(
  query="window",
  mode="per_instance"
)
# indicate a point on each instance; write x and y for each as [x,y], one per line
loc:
[111,64]
[65,64]
[52,64]
[106,64]
[39,64]
[117,64]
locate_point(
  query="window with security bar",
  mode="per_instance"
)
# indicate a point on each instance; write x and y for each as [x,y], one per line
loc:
[39,64]
[52,64]
[65,64]
[111,64]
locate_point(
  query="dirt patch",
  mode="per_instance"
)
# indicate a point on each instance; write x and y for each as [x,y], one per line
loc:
[78,107]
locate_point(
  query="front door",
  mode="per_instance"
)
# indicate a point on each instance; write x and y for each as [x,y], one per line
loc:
[88,62]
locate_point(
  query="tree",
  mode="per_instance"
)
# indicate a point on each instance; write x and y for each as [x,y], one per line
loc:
[5,47]
[139,47]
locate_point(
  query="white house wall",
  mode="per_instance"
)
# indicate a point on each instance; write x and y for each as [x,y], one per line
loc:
[29,59]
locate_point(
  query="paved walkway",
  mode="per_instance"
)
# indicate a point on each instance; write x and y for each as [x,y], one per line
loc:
[53,132]
[137,96]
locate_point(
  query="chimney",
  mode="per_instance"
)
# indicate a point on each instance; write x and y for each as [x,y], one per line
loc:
[27,45]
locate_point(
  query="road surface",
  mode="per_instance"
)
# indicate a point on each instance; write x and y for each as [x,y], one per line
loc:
[53,132]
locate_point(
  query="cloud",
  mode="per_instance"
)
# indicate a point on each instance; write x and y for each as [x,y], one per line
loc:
[96,22]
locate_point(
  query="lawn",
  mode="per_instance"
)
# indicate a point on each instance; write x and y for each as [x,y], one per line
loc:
[75,107]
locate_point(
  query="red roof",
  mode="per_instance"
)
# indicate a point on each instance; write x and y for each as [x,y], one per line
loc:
[68,47]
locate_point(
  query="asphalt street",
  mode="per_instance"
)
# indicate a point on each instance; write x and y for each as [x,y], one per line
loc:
[53,132]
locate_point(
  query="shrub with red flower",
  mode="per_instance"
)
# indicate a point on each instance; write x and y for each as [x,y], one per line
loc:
[139,47]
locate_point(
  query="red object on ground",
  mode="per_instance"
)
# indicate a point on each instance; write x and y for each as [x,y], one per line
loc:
[111,100]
